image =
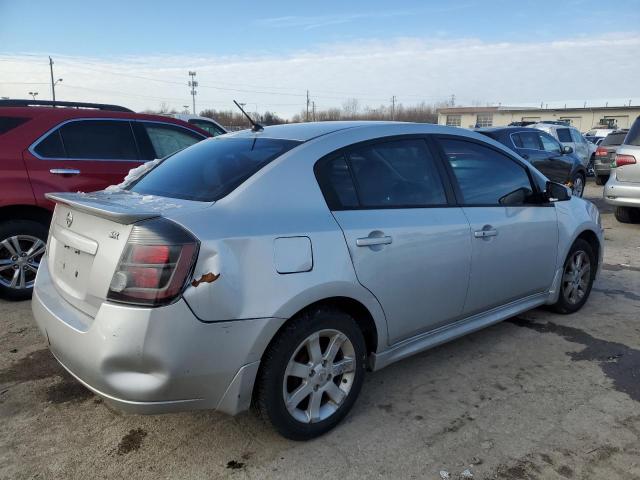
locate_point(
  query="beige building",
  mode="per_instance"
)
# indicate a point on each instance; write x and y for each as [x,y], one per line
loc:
[584,119]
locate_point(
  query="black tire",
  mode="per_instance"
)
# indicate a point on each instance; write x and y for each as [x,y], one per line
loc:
[9,229]
[562,305]
[579,177]
[627,214]
[270,382]
[601,179]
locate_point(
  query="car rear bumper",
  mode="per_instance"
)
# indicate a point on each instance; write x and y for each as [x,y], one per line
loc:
[154,360]
[603,168]
[621,194]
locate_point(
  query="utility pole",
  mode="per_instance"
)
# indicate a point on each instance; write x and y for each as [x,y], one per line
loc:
[313,109]
[193,84]
[33,94]
[53,83]
[393,107]
[453,100]
[307,106]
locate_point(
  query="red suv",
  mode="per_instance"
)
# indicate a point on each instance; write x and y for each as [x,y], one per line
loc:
[72,147]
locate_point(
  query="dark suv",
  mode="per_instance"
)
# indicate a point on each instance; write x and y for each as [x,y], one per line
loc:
[557,162]
[70,147]
[606,154]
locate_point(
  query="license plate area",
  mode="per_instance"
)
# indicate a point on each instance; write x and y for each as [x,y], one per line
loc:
[72,269]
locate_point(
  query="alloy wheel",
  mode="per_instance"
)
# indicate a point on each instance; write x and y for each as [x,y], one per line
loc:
[20,257]
[319,376]
[578,186]
[576,277]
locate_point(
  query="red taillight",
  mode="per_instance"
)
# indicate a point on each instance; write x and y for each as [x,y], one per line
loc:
[155,254]
[601,152]
[622,160]
[155,265]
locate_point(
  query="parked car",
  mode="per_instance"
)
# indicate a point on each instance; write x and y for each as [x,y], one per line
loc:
[197,287]
[600,132]
[605,155]
[557,162]
[205,123]
[75,146]
[569,137]
[623,187]
[593,139]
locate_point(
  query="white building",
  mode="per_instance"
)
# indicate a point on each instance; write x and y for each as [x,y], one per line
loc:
[583,119]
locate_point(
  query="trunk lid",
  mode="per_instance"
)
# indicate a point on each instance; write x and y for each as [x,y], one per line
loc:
[88,235]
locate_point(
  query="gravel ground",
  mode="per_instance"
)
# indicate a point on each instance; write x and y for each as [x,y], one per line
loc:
[541,396]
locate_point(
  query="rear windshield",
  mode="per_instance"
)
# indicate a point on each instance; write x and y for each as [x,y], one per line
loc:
[633,137]
[9,123]
[211,169]
[614,139]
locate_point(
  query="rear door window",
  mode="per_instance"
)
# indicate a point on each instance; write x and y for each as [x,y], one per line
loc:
[99,139]
[564,135]
[529,140]
[168,139]
[51,146]
[396,174]
[211,169]
[549,144]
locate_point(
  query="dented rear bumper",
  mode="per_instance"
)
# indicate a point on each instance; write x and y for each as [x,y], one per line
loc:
[153,360]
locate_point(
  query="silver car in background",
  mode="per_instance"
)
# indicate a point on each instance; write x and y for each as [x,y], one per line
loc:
[623,187]
[274,266]
[569,137]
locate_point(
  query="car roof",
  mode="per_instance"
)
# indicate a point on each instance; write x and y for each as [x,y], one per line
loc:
[306,131]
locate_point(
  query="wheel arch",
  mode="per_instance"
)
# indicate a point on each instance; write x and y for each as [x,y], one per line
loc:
[26,212]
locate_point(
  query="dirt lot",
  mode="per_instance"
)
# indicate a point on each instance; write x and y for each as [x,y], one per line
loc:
[539,396]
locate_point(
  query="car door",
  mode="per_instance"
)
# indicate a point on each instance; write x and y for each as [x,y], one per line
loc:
[558,166]
[514,242]
[81,155]
[580,146]
[410,246]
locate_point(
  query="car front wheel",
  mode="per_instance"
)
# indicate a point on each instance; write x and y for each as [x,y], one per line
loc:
[577,278]
[312,373]
[578,185]
[22,244]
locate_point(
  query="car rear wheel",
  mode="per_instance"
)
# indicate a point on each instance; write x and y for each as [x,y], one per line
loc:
[578,185]
[627,214]
[577,278]
[22,244]
[601,179]
[312,373]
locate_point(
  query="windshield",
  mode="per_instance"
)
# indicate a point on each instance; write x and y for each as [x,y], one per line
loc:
[211,169]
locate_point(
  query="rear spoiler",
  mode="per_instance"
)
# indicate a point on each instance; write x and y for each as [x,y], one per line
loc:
[101,207]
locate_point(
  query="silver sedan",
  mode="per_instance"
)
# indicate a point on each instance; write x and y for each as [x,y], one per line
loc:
[275,266]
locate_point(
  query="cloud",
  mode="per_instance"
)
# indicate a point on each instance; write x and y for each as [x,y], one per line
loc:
[413,69]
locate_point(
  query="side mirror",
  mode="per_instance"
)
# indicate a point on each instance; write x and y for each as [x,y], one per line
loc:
[556,192]
[567,149]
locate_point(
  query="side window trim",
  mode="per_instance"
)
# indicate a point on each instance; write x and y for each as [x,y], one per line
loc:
[454,180]
[344,152]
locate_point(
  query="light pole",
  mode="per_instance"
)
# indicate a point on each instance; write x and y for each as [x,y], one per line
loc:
[33,94]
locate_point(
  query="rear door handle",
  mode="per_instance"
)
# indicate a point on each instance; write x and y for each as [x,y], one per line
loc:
[64,171]
[369,241]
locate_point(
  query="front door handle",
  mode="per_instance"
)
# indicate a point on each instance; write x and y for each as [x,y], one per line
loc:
[65,172]
[487,231]
[370,241]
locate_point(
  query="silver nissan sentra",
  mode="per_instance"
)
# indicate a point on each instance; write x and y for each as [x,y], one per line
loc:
[275,266]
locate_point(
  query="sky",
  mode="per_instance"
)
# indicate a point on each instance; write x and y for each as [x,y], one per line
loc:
[268,54]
